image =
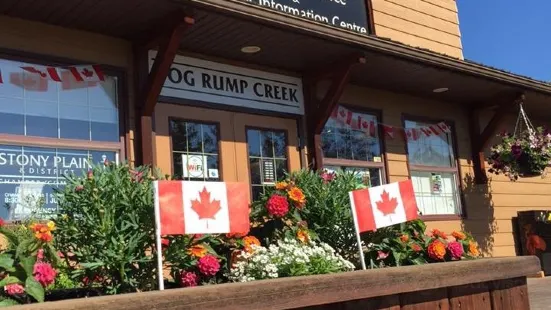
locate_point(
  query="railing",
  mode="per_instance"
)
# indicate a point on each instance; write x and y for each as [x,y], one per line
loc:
[494,283]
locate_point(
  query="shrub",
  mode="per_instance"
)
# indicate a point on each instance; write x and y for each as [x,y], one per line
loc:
[106,227]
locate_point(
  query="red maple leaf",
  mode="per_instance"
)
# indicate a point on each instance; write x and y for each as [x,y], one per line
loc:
[365,124]
[204,207]
[343,114]
[87,73]
[387,205]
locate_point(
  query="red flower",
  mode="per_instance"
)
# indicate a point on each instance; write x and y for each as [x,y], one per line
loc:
[327,177]
[14,289]
[44,273]
[415,247]
[437,250]
[277,206]
[456,249]
[79,188]
[90,174]
[2,222]
[381,255]
[438,234]
[188,279]
[208,265]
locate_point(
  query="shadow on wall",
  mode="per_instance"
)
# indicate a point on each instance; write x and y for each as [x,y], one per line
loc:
[480,220]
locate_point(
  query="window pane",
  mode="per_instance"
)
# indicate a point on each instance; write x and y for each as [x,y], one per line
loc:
[267,158]
[436,193]
[358,140]
[195,151]
[434,150]
[35,106]
[28,175]
[367,176]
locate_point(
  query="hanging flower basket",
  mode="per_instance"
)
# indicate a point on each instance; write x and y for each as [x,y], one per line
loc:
[524,153]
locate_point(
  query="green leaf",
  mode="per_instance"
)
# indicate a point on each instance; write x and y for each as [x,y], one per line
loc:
[28,265]
[34,289]
[6,262]
[93,265]
[23,248]
[9,280]
[7,302]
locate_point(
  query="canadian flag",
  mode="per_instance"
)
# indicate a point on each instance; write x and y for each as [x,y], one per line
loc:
[44,72]
[344,115]
[29,82]
[183,207]
[91,73]
[382,206]
[68,82]
[412,134]
[389,131]
[444,127]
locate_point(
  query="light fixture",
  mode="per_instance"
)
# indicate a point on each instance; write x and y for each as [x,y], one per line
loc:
[440,90]
[252,49]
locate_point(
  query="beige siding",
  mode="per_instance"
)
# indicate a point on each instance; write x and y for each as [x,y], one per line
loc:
[430,24]
[53,41]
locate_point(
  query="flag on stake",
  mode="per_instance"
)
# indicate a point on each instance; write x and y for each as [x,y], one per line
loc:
[183,207]
[382,206]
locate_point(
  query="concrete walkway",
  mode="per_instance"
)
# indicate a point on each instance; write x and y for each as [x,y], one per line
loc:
[539,291]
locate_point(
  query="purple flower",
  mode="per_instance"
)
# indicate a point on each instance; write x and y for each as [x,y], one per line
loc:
[516,149]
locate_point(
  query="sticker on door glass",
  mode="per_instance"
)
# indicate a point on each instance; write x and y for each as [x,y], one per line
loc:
[213,173]
[436,183]
[194,166]
[268,171]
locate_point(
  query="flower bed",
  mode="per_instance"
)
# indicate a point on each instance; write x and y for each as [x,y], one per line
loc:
[103,242]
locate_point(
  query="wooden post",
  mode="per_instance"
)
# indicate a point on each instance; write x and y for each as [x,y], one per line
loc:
[150,88]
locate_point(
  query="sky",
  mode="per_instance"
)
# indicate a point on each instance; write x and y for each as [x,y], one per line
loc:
[513,35]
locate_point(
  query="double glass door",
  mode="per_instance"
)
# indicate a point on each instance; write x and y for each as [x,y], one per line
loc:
[214,145]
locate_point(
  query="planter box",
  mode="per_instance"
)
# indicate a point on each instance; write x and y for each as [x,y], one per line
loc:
[497,283]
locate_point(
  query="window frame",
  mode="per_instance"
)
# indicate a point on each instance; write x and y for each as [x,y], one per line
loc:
[183,119]
[424,168]
[329,161]
[285,132]
[121,147]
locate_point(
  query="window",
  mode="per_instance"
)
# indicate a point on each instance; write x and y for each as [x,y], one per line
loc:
[49,129]
[267,158]
[349,148]
[195,150]
[434,171]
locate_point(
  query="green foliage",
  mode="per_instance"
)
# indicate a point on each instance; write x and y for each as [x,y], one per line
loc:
[326,213]
[106,227]
[527,154]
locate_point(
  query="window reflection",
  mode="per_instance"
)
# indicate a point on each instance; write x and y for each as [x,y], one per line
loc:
[69,109]
[195,150]
[435,150]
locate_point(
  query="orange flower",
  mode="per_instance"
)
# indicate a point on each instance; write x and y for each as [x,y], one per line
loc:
[248,241]
[473,249]
[303,236]
[404,238]
[415,247]
[197,250]
[438,234]
[437,250]
[43,232]
[235,235]
[458,235]
[296,195]
[281,185]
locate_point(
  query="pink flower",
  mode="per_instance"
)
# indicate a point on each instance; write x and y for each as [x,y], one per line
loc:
[79,188]
[44,273]
[208,265]
[327,177]
[40,254]
[381,255]
[456,249]
[188,279]
[277,206]
[14,289]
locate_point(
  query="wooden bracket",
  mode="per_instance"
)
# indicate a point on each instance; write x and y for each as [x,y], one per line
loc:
[480,140]
[168,47]
[318,112]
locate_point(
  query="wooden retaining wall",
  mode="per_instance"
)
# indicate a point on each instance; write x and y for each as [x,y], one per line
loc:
[493,283]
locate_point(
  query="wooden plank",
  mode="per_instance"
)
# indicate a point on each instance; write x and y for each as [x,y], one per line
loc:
[428,299]
[522,188]
[505,105]
[416,29]
[512,200]
[422,18]
[391,302]
[147,141]
[408,39]
[297,292]
[425,7]
[472,296]
[447,4]
[510,294]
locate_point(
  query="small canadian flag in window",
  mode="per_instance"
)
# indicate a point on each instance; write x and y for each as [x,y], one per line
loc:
[90,73]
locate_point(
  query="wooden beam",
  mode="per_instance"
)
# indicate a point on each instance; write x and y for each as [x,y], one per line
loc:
[331,99]
[153,38]
[328,71]
[161,66]
[490,129]
[479,168]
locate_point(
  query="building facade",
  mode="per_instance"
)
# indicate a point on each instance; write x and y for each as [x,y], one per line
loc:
[238,90]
